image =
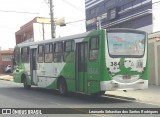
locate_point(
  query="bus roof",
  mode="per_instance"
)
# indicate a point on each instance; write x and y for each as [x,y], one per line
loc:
[77,36]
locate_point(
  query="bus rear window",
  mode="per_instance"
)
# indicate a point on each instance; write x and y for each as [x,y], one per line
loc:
[126,44]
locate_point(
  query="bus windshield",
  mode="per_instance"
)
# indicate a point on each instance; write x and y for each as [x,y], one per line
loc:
[128,44]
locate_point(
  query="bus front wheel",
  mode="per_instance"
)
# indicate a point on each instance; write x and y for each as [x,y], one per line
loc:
[62,87]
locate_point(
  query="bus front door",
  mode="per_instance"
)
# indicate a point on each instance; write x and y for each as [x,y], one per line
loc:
[33,66]
[81,66]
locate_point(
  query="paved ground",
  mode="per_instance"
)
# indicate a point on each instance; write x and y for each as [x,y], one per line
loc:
[8,77]
[13,95]
[150,95]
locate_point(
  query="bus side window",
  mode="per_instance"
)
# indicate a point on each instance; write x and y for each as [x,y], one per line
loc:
[94,48]
[40,53]
[69,51]
[25,54]
[58,52]
[48,53]
[17,56]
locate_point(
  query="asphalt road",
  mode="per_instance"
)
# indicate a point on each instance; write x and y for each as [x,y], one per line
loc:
[13,95]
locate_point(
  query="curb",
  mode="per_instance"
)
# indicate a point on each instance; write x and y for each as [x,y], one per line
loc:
[120,97]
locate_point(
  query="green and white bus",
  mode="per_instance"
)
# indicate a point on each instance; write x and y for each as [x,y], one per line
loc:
[93,62]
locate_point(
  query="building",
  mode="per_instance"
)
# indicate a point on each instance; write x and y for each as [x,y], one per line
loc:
[35,30]
[136,14]
[5,59]
[154,58]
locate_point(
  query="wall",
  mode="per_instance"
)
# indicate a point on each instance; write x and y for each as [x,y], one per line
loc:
[127,11]
[158,54]
[156,17]
[151,61]
[1,64]
[154,58]
[41,31]
[35,30]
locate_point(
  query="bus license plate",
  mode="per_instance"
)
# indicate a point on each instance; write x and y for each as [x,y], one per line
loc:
[126,77]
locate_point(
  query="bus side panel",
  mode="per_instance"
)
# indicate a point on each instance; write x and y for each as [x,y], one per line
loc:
[93,77]
[64,70]
[97,71]
[104,73]
[17,76]
[71,85]
[95,67]
[53,85]
[68,71]
[93,87]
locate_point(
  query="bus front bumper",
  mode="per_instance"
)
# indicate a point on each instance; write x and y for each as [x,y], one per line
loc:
[114,85]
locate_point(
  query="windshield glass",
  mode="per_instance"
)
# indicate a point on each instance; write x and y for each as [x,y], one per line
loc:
[126,43]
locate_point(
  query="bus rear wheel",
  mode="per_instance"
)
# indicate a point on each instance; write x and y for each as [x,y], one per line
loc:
[25,85]
[62,87]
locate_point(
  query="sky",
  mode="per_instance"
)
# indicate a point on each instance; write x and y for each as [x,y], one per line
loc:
[10,22]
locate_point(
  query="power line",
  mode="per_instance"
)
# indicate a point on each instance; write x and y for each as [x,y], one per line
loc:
[18,12]
[47,3]
[70,4]
[77,8]
[156,2]
[75,21]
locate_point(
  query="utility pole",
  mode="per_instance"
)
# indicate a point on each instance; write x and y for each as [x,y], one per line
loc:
[52,19]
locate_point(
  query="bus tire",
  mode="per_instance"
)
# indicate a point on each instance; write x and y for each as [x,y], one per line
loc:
[25,85]
[62,87]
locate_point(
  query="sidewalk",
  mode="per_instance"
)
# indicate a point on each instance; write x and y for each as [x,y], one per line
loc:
[7,77]
[150,95]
